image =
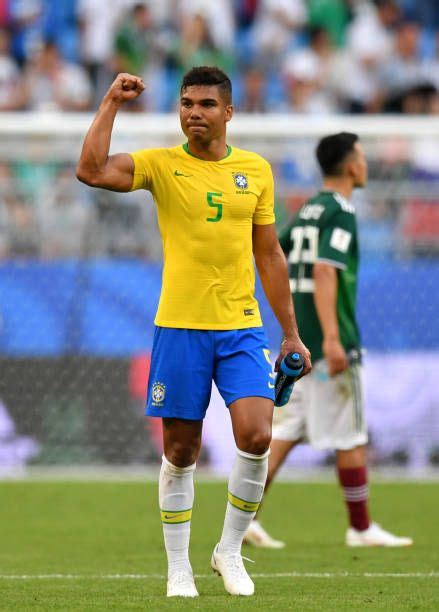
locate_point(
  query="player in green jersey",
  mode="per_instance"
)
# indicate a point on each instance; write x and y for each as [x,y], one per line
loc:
[326,408]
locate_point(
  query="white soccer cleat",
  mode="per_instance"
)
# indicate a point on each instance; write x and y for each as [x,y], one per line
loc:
[257,536]
[231,568]
[375,535]
[181,584]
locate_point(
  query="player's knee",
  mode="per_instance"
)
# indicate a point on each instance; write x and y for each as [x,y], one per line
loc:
[256,442]
[182,455]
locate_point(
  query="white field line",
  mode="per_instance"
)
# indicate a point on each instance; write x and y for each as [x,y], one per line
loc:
[126,475]
[431,574]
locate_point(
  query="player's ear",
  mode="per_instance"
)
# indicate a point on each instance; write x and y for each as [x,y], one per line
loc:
[351,166]
[229,112]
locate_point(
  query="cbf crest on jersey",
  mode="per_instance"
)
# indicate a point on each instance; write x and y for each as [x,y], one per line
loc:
[241,180]
[158,394]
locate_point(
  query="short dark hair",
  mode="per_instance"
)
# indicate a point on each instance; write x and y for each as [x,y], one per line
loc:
[208,75]
[314,32]
[139,7]
[333,150]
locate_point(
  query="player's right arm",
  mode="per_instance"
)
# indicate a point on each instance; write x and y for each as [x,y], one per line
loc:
[96,167]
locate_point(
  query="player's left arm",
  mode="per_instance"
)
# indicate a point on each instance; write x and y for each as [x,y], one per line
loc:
[273,272]
[325,300]
[333,254]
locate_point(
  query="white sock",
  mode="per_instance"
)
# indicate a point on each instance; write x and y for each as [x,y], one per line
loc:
[246,487]
[176,498]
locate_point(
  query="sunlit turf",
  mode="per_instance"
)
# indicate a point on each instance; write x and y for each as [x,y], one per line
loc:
[89,532]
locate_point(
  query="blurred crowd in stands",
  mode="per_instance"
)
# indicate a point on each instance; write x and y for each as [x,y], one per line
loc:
[300,56]
[294,56]
[45,213]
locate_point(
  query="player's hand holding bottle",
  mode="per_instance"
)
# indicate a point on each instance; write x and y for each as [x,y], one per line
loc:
[295,345]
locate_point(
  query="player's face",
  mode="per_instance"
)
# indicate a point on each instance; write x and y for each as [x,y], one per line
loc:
[204,113]
[359,166]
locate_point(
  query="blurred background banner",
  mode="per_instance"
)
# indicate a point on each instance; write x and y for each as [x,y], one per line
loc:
[80,269]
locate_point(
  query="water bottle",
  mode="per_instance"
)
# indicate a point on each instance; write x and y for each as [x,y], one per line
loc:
[290,368]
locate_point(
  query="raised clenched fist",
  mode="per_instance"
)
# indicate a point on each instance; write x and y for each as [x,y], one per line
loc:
[125,87]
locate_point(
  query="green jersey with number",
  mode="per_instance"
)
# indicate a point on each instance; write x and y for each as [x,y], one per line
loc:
[324,230]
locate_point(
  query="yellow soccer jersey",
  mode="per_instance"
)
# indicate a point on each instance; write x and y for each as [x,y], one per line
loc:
[206,210]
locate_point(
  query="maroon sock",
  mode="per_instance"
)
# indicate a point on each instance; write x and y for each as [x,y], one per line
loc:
[354,484]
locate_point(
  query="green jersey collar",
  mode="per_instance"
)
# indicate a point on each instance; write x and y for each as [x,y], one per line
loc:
[186,148]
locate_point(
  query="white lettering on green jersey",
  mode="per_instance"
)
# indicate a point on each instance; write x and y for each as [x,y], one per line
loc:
[312,211]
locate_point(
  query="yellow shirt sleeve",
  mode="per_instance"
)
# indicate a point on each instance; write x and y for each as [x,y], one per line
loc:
[143,169]
[264,212]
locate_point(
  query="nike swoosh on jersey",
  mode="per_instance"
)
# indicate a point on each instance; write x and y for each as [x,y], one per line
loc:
[270,386]
[177,173]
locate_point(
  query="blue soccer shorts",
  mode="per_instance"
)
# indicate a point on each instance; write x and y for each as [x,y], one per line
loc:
[185,361]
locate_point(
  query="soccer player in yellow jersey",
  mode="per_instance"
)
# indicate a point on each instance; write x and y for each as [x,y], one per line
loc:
[215,210]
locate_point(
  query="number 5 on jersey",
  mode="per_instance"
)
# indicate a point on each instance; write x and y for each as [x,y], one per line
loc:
[217,205]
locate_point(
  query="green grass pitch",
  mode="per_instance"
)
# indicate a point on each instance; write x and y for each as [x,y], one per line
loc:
[103,541]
